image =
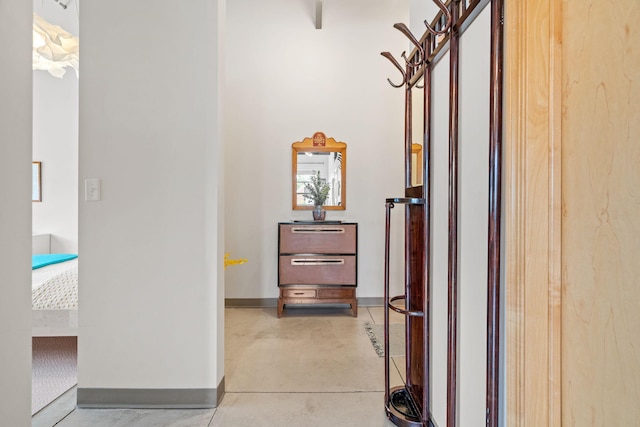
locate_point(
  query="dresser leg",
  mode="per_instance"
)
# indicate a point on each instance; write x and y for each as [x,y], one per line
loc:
[280,307]
[354,307]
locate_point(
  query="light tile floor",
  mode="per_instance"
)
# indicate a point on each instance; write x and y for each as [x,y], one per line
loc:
[312,367]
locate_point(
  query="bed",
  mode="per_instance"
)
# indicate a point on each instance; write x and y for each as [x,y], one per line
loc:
[54,292]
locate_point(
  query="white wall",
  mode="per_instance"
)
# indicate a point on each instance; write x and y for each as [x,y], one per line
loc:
[15,214]
[286,80]
[150,307]
[473,217]
[439,230]
[421,10]
[55,141]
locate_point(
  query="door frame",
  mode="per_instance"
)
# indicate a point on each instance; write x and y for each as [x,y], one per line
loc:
[532,207]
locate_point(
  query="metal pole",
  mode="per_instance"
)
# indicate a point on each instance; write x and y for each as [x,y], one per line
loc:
[452,339]
[495,202]
[389,206]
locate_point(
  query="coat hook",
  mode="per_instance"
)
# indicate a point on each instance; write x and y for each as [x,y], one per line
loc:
[404,30]
[397,65]
[447,14]
[409,63]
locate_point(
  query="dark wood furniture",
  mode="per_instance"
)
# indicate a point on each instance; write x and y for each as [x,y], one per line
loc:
[317,263]
[409,405]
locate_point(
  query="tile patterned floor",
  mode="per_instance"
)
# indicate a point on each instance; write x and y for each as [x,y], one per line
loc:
[321,370]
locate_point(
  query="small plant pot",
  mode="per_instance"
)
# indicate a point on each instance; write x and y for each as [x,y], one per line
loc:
[318,213]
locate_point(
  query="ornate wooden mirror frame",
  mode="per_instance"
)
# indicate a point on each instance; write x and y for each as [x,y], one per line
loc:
[333,155]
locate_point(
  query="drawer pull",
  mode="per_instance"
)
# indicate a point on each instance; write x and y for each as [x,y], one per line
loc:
[317,261]
[333,230]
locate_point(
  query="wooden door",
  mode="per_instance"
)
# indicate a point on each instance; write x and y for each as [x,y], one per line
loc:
[573,212]
[601,213]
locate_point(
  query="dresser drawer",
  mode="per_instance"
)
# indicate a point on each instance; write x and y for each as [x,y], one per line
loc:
[336,293]
[311,270]
[318,239]
[299,293]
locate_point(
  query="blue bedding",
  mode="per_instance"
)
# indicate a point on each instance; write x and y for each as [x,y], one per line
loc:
[42,260]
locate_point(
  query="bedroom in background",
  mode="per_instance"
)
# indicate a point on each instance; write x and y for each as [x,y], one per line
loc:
[55,211]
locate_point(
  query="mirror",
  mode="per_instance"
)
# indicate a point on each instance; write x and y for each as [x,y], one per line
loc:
[324,155]
[417,132]
[36,181]
[416,165]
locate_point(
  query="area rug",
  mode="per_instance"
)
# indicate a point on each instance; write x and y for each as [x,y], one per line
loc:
[54,369]
[375,331]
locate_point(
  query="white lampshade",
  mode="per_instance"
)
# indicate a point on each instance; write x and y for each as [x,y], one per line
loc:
[54,49]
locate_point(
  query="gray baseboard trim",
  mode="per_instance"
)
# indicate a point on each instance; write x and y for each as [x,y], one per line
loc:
[273,302]
[153,398]
[371,302]
[251,302]
[220,391]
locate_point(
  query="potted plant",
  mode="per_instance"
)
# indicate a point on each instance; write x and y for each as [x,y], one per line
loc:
[317,193]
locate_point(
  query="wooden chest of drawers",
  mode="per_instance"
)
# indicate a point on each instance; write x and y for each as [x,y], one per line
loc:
[317,263]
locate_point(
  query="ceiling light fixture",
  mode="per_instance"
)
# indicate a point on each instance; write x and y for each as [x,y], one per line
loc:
[54,49]
[63,5]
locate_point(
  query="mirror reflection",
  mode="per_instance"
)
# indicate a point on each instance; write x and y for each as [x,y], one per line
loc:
[416,165]
[417,132]
[325,156]
[328,164]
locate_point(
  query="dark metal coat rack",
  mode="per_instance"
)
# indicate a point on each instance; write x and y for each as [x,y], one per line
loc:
[409,405]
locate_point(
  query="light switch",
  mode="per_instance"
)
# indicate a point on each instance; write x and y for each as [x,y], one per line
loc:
[92,189]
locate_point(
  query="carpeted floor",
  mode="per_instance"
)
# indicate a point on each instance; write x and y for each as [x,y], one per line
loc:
[54,369]
[375,331]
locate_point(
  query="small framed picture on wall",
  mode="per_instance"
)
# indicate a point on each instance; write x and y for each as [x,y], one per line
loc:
[36,181]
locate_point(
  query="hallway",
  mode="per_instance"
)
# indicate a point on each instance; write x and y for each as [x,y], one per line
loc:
[312,367]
